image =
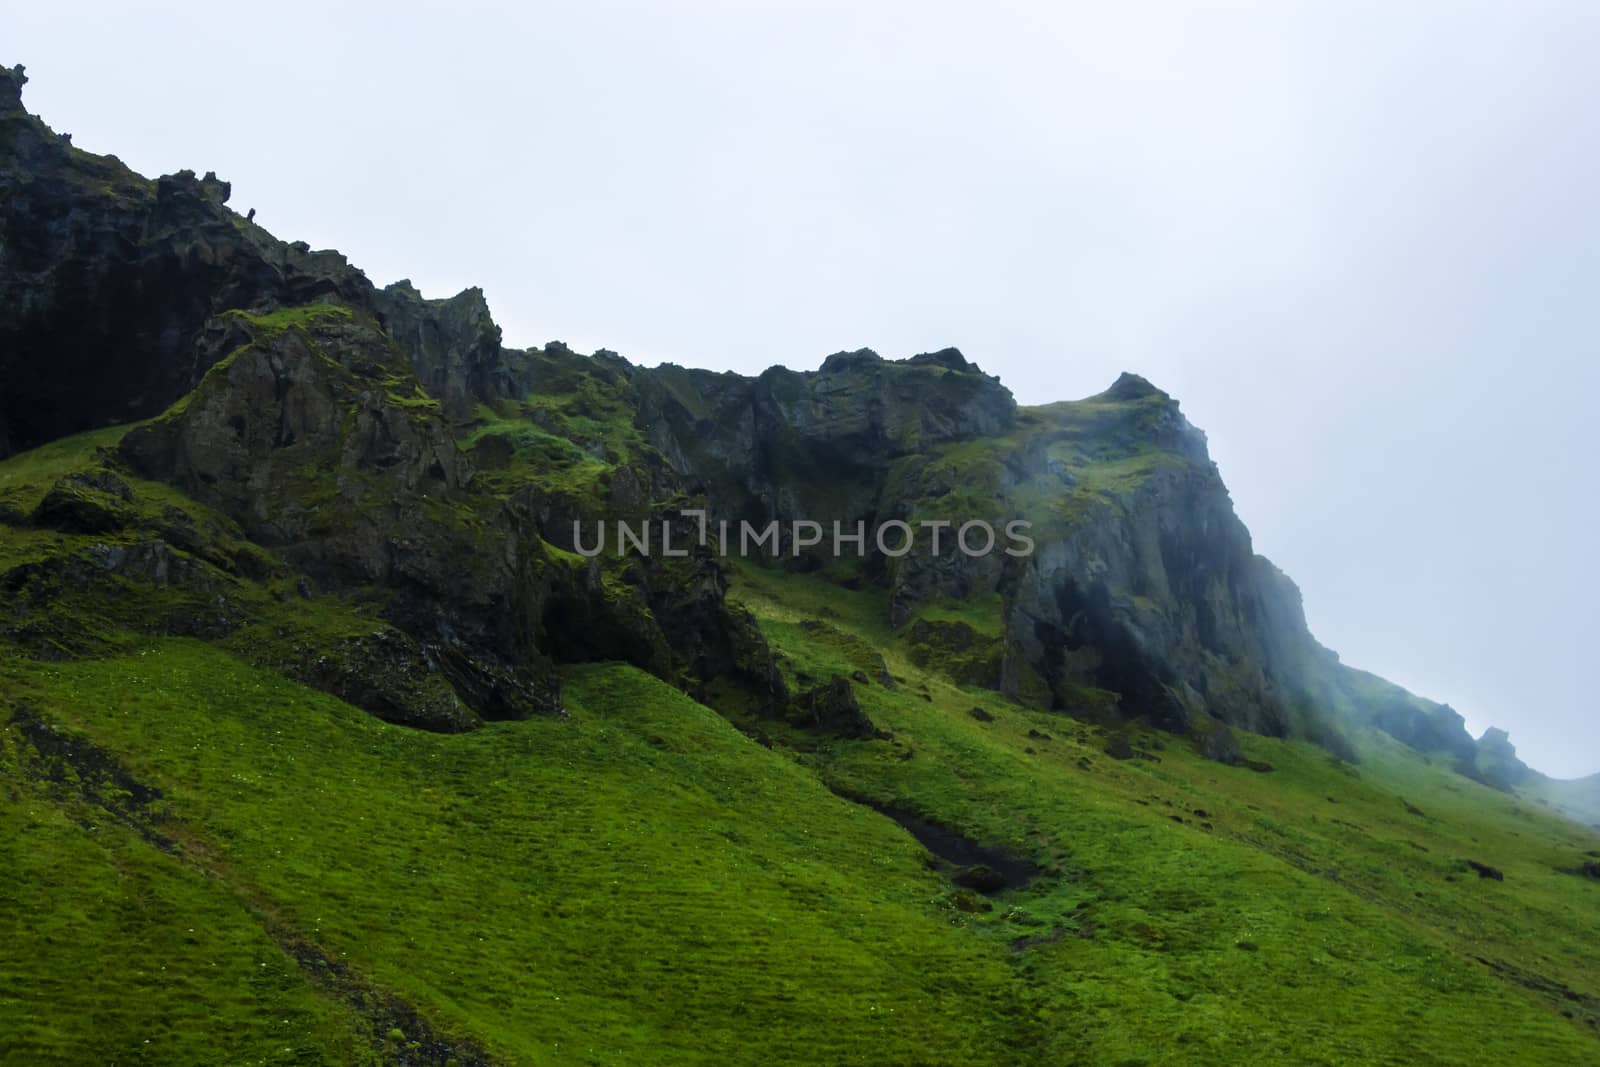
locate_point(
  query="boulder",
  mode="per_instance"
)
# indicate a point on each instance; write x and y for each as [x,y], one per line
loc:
[1219,743]
[93,502]
[832,709]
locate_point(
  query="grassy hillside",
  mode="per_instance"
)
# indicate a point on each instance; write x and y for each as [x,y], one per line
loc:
[211,863]
[216,861]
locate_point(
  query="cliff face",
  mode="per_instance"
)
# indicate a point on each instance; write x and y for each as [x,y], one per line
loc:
[107,281]
[788,445]
[1143,595]
[314,434]
[389,447]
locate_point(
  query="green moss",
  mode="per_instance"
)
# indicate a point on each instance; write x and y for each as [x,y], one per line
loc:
[295,318]
[408,393]
[26,477]
[1334,896]
[956,650]
[663,836]
[117,952]
[981,614]
[572,437]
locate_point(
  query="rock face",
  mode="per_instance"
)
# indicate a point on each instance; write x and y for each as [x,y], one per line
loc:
[316,437]
[790,444]
[1154,591]
[1143,582]
[453,343]
[1495,761]
[107,280]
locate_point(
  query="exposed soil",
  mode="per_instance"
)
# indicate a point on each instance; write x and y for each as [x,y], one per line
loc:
[985,868]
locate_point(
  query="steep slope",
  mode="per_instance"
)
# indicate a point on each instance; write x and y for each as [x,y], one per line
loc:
[1143,599]
[640,882]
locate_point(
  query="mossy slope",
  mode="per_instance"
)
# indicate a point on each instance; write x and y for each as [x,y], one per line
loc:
[643,883]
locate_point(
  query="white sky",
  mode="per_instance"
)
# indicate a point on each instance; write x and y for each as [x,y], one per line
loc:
[1359,242]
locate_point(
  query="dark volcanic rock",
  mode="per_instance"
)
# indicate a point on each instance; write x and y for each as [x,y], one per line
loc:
[89,503]
[96,260]
[1119,747]
[386,673]
[1495,762]
[980,878]
[292,442]
[453,343]
[832,709]
[1219,743]
[796,445]
[334,465]
[1486,871]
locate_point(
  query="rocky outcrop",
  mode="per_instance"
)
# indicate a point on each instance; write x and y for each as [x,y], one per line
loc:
[107,280]
[91,503]
[790,444]
[1495,761]
[832,708]
[454,345]
[316,437]
[1217,742]
[1154,592]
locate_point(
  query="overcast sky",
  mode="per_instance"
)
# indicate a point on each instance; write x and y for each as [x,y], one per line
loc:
[1360,243]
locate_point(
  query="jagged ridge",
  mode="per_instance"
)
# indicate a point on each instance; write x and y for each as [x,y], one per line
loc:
[334,443]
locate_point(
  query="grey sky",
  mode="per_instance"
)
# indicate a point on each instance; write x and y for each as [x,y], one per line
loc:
[1359,242]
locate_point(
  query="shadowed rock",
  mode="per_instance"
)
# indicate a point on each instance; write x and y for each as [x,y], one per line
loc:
[831,708]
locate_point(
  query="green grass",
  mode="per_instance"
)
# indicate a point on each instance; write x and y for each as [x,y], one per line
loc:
[26,477]
[642,882]
[982,614]
[661,888]
[1312,930]
[114,953]
[295,318]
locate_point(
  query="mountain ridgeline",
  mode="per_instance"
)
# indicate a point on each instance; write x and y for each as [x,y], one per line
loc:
[328,737]
[376,447]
